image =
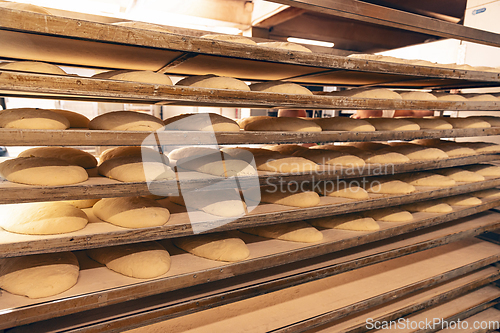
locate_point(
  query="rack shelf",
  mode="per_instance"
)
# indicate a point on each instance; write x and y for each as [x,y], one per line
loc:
[188,271]
[61,40]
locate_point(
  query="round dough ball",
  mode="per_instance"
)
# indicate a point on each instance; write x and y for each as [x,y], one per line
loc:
[301,199]
[280,87]
[244,121]
[285,149]
[75,119]
[71,155]
[131,212]
[381,186]
[231,38]
[428,207]
[430,123]
[82,203]
[418,95]
[342,190]
[213,82]
[218,246]
[344,124]
[285,45]
[293,231]
[428,179]
[39,275]
[285,164]
[42,218]
[201,122]
[393,124]
[135,76]
[331,158]
[390,214]
[29,118]
[126,121]
[462,200]
[191,152]
[141,260]
[132,151]
[33,66]
[42,171]
[143,25]
[379,93]
[133,169]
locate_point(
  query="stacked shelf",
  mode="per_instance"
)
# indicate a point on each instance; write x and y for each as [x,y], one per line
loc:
[109,301]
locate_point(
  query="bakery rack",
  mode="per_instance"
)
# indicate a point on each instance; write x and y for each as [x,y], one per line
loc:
[110,302]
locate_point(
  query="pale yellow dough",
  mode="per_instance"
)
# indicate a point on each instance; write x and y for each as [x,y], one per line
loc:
[346,222]
[379,93]
[390,214]
[126,121]
[42,171]
[140,260]
[427,179]
[225,203]
[214,82]
[428,207]
[467,123]
[75,119]
[71,155]
[280,87]
[284,164]
[216,246]
[214,165]
[482,147]
[300,199]
[82,203]
[131,212]
[135,76]
[147,154]
[293,231]
[490,193]
[450,97]
[462,200]
[287,149]
[483,98]
[419,153]
[282,124]
[201,122]
[344,124]
[418,95]
[29,118]
[331,157]
[461,175]
[393,124]
[342,190]
[33,66]
[383,186]
[42,218]
[39,275]
[133,169]
[431,123]
[485,170]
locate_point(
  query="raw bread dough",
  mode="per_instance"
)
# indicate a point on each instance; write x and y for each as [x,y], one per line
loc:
[243,122]
[428,207]
[385,186]
[334,158]
[383,157]
[390,214]
[71,155]
[135,76]
[29,118]
[393,124]
[461,175]
[431,123]
[140,260]
[42,218]
[143,25]
[455,150]
[201,122]
[282,124]
[131,212]
[82,203]
[292,231]
[285,45]
[280,87]
[449,97]
[76,120]
[379,93]
[42,171]
[231,38]
[295,199]
[419,153]
[485,170]
[482,147]
[344,124]
[133,169]
[214,165]
[39,275]
[492,120]
[191,152]
[33,66]
[25,7]
[418,96]
[126,121]
[467,123]
[368,146]
[213,82]
[342,190]
[427,179]
[284,164]
[287,149]
[225,203]
[346,222]
[148,154]
[216,246]
[483,98]
[490,193]
[462,200]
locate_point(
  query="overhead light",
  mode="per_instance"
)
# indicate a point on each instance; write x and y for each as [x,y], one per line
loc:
[309,42]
